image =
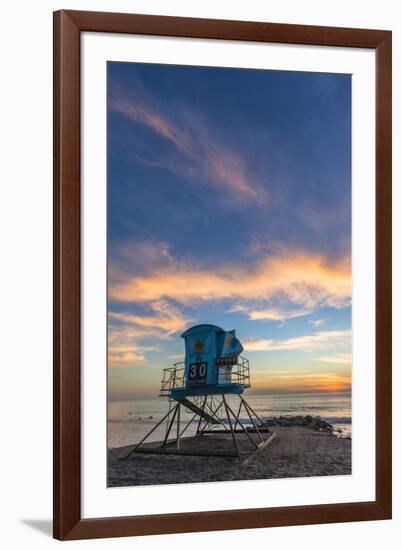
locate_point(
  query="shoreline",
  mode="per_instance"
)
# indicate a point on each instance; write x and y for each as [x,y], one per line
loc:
[303,447]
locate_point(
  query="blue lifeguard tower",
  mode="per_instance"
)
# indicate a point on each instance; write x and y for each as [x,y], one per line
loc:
[213,373]
[210,356]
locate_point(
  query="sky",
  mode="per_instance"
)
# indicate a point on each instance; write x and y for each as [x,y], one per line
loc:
[229,202]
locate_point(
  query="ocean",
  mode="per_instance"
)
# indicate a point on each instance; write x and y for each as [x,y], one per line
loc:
[130,421]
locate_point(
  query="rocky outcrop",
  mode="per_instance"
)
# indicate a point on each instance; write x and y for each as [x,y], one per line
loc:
[311,422]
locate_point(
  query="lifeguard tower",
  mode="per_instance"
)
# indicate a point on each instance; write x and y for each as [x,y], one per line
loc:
[212,377]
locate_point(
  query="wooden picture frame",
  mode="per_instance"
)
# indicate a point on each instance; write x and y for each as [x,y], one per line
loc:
[68,26]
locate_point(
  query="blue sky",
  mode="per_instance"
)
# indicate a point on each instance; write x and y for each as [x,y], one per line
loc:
[229,202]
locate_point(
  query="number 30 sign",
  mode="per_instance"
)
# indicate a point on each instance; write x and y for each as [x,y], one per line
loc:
[197,373]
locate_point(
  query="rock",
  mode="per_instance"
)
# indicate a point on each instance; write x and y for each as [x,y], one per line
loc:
[311,422]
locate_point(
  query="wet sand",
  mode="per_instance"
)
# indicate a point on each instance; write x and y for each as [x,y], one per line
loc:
[295,452]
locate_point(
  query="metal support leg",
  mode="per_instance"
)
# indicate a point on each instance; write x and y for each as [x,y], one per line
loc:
[148,434]
[254,413]
[252,420]
[178,428]
[199,422]
[238,414]
[214,412]
[244,429]
[231,427]
[188,424]
[170,426]
[170,408]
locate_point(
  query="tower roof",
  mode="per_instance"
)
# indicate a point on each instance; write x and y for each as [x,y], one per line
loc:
[199,329]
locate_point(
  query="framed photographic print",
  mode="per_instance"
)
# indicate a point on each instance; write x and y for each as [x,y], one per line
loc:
[222,266]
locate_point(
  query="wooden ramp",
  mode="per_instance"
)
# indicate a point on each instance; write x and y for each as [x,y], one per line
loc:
[262,445]
[200,412]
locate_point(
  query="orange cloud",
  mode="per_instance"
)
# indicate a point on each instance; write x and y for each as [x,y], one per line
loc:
[305,279]
[166,318]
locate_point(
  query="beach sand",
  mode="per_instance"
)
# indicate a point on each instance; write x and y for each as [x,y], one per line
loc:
[294,452]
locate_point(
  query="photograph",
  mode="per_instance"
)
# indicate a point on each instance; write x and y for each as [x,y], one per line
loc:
[203,245]
[229,274]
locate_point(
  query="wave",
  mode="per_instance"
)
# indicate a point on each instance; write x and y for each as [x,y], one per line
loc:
[338,419]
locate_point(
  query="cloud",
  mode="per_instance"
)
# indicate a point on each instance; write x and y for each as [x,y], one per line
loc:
[299,277]
[141,254]
[199,152]
[122,332]
[272,313]
[338,358]
[127,355]
[137,109]
[317,322]
[166,318]
[127,330]
[319,341]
